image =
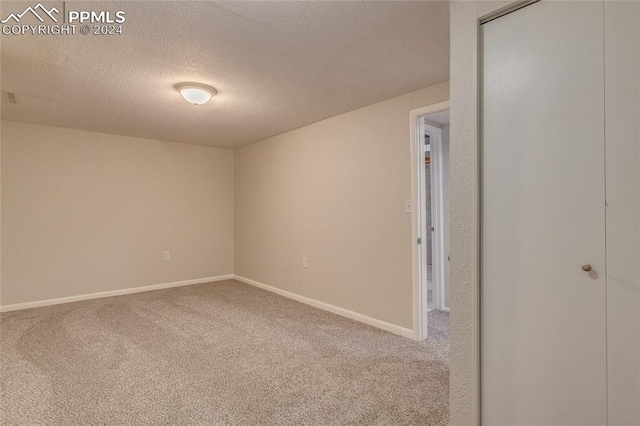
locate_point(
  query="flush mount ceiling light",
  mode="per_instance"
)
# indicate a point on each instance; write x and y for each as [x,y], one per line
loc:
[195,93]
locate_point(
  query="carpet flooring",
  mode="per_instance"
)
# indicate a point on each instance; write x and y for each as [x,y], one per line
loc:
[220,353]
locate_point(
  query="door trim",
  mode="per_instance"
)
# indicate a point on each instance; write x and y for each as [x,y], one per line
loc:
[418,275]
[437,215]
[498,13]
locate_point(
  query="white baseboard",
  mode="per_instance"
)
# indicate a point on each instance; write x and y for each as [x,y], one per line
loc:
[395,329]
[405,332]
[27,305]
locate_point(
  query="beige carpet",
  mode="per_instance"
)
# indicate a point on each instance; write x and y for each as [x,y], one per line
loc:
[219,353]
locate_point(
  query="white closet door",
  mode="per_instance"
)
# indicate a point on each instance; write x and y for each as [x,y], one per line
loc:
[543,217]
[622,106]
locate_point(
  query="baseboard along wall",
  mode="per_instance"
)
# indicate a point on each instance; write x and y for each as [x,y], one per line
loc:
[69,299]
[395,329]
[405,332]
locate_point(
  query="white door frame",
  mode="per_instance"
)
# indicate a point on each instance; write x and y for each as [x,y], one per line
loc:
[437,214]
[418,221]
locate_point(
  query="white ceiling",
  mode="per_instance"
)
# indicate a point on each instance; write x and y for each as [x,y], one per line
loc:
[276,65]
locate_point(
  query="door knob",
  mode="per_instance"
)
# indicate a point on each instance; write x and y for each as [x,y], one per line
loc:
[586,268]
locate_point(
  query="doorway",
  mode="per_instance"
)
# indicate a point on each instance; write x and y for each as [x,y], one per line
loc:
[430,213]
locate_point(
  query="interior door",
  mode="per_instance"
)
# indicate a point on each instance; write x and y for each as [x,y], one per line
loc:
[543,217]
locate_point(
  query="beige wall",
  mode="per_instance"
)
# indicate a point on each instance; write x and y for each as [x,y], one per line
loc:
[464,323]
[334,192]
[86,212]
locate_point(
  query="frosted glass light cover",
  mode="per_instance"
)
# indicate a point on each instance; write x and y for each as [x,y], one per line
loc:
[195,93]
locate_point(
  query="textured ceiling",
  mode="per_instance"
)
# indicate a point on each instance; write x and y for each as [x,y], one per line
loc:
[276,65]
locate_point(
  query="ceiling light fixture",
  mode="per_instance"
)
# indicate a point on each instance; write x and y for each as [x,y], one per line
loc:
[196,93]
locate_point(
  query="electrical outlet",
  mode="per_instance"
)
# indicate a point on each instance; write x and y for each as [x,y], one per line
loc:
[407,205]
[166,255]
[305,262]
